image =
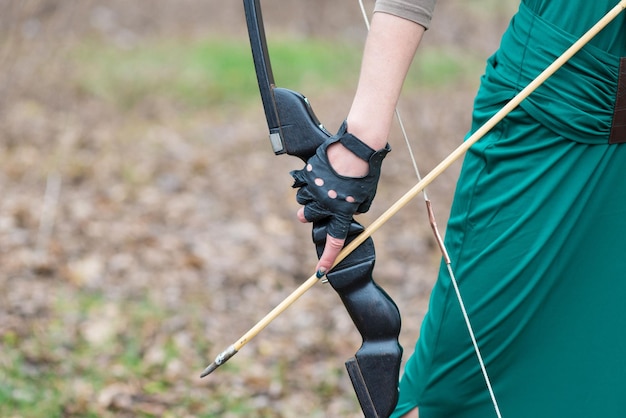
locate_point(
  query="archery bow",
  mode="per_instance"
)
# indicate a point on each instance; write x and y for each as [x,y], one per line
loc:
[295,130]
[355,241]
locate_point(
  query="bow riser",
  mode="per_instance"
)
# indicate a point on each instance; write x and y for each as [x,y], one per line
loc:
[299,129]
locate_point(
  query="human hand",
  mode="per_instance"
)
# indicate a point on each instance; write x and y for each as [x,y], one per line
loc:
[329,189]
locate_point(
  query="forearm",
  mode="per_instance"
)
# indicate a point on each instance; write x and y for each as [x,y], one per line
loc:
[389,51]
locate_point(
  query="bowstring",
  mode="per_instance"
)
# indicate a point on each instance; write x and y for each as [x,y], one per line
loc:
[442,247]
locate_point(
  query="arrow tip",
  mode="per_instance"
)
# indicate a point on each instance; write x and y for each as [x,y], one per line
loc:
[219,360]
[209,369]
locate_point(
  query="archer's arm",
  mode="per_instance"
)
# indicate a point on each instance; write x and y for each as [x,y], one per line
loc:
[389,50]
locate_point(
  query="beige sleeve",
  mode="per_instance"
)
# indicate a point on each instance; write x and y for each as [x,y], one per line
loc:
[418,11]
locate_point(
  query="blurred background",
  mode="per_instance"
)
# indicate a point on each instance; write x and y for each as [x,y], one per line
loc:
[145,223]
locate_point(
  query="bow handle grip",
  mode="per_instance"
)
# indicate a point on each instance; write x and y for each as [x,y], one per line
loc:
[299,132]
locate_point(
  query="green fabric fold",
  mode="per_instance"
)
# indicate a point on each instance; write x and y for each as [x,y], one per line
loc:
[577,102]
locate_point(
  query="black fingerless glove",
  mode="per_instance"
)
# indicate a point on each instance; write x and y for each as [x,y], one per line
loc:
[327,195]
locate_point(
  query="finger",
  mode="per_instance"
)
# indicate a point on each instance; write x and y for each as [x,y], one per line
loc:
[304,196]
[339,225]
[300,215]
[329,255]
[364,207]
[313,212]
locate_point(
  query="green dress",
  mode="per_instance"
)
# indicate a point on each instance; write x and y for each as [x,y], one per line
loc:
[537,237]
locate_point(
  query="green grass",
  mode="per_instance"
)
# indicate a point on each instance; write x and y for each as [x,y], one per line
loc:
[203,73]
[54,371]
[440,68]
[220,72]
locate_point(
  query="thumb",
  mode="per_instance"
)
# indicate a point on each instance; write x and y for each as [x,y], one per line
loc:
[329,255]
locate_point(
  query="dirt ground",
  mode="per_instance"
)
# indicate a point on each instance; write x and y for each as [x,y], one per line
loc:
[137,244]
